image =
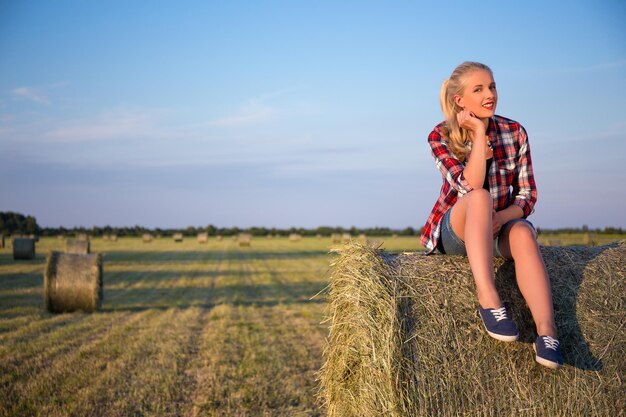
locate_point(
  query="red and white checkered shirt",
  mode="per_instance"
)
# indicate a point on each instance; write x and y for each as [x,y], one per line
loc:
[511,179]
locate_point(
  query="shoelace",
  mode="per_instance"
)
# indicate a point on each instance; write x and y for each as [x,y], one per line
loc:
[550,342]
[499,313]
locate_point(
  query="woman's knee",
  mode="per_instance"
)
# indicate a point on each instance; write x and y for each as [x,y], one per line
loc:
[479,196]
[478,202]
[521,232]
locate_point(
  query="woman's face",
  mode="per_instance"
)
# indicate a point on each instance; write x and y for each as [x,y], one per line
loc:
[479,95]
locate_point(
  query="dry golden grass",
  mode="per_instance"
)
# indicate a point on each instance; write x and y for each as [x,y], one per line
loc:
[183,330]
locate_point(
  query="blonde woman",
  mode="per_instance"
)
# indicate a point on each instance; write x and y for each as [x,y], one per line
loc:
[488,191]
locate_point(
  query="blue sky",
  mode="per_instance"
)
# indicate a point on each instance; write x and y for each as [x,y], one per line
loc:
[277,113]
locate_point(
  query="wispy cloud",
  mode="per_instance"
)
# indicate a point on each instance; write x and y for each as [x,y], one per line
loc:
[251,112]
[116,124]
[31,94]
[5,118]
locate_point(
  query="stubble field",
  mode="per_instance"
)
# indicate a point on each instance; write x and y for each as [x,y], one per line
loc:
[185,329]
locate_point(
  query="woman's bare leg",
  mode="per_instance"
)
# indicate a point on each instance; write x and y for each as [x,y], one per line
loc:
[471,221]
[518,242]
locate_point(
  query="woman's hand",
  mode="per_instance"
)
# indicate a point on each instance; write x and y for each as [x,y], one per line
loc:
[467,120]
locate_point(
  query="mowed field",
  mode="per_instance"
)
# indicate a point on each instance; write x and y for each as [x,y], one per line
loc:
[186,329]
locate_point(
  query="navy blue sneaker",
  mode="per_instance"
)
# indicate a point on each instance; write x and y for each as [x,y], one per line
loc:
[548,352]
[498,324]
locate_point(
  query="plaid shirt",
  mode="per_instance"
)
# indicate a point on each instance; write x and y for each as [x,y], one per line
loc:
[511,179]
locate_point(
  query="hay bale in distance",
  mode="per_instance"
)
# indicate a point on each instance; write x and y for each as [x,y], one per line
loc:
[146,238]
[77,246]
[219,238]
[178,237]
[105,237]
[244,239]
[406,339]
[346,237]
[335,238]
[295,237]
[73,282]
[23,248]
[590,239]
[113,238]
[82,236]
[203,237]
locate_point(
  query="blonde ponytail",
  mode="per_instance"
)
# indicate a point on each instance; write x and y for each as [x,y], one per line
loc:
[456,136]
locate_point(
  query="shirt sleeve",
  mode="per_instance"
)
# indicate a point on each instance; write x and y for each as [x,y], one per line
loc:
[451,168]
[524,188]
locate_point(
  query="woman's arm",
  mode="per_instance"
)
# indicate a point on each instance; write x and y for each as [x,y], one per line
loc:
[475,169]
[462,177]
[524,187]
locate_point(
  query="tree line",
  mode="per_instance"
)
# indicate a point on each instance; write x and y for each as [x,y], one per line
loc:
[12,223]
[225,231]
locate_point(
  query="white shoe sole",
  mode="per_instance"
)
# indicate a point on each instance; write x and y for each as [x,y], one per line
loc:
[502,337]
[545,362]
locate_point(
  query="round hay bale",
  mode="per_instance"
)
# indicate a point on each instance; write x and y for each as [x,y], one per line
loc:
[113,238]
[295,237]
[105,237]
[178,237]
[73,282]
[406,339]
[146,238]
[219,238]
[244,239]
[318,236]
[269,236]
[346,237]
[60,237]
[590,239]
[77,246]
[335,238]
[203,237]
[23,248]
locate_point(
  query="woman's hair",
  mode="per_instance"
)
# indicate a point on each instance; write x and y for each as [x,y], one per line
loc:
[456,136]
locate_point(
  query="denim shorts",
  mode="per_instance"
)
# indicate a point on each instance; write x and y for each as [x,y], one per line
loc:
[449,243]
